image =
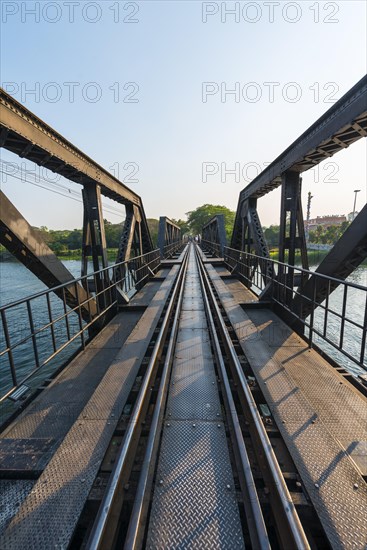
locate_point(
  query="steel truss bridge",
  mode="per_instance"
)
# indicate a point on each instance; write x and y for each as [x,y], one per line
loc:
[186,396]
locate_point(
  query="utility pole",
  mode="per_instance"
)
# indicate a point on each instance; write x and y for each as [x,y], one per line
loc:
[355,200]
[309,197]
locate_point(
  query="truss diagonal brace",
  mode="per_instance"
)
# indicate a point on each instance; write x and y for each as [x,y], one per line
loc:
[28,247]
[347,254]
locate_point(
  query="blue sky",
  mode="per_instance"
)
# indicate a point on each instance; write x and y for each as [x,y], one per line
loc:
[151,115]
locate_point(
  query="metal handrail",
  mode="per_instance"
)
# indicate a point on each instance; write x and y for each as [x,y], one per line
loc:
[214,248]
[120,276]
[171,248]
[281,282]
[308,271]
[76,280]
[296,537]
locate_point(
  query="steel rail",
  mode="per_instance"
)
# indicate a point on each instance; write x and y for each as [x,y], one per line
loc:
[134,535]
[258,533]
[102,526]
[295,537]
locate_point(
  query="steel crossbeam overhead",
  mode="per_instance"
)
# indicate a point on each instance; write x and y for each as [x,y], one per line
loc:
[251,238]
[169,234]
[214,231]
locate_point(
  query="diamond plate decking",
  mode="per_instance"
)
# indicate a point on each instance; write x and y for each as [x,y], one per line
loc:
[321,416]
[49,513]
[194,503]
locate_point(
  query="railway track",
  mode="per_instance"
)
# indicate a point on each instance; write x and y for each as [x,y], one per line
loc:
[196,459]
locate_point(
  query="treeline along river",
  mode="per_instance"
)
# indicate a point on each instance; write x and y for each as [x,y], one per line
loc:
[17,283]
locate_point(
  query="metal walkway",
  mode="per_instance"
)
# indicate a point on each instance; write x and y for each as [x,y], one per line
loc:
[194,504]
[321,416]
[68,478]
[195,419]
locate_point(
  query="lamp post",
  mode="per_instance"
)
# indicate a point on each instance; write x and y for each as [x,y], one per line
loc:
[355,200]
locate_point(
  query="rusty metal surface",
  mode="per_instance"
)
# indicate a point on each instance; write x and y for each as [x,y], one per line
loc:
[320,415]
[23,458]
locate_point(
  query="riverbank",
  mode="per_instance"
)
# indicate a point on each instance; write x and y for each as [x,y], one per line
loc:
[6,256]
[314,256]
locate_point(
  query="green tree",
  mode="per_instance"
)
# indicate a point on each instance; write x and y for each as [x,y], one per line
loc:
[271,235]
[183,225]
[153,225]
[197,218]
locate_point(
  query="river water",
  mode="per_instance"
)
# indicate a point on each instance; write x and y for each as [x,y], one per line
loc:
[16,282]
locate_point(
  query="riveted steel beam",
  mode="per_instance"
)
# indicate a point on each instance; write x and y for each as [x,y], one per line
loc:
[347,254]
[214,231]
[27,245]
[169,233]
[28,136]
[343,124]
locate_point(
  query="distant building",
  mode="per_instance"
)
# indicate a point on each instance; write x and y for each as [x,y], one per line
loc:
[326,221]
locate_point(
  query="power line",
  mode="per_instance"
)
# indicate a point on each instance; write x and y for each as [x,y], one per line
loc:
[45,184]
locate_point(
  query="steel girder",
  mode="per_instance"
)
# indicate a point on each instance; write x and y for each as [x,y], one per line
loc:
[214,231]
[24,134]
[252,240]
[347,254]
[343,124]
[26,244]
[131,241]
[168,233]
[292,234]
[94,239]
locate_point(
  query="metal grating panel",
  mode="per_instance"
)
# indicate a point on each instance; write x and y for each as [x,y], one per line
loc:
[193,391]
[194,502]
[53,412]
[341,407]
[335,486]
[193,319]
[48,516]
[12,495]
[190,304]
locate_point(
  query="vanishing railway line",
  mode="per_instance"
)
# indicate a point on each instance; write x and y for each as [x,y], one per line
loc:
[196,458]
